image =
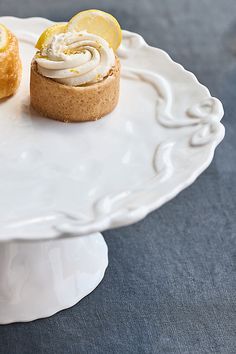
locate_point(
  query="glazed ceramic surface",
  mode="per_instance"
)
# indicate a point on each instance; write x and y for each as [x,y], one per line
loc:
[38,279]
[62,179]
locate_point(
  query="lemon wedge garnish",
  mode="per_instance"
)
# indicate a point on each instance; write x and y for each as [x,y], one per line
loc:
[99,23]
[3,38]
[47,35]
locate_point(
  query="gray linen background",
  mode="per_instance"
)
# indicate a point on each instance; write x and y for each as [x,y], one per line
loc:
[171,283]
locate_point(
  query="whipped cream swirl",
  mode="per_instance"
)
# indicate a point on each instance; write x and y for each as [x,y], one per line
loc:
[76,58]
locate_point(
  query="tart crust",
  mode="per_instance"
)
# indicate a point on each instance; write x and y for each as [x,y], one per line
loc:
[74,104]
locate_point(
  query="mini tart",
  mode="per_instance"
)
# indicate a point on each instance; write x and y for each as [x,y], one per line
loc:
[10,67]
[74,103]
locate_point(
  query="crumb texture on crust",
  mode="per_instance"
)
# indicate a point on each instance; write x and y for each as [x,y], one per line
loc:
[74,104]
[10,68]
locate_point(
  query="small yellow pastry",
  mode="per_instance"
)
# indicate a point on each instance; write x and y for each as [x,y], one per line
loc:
[75,75]
[10,64]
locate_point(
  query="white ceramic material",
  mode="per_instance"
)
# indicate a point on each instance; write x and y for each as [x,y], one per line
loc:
[38,279]
[60,180]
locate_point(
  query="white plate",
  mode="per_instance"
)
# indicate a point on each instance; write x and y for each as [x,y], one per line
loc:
[61,179]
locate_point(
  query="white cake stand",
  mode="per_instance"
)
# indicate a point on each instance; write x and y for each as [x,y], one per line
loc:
[62,184]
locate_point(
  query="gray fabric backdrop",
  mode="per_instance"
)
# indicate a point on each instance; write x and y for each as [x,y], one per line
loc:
[171,283]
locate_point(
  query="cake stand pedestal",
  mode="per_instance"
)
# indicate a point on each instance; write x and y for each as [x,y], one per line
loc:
[38,279]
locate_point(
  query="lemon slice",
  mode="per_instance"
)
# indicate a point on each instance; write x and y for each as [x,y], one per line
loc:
[99,23]
[3,38]
[47,35]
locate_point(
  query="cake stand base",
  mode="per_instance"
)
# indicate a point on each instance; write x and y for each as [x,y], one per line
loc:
[38,279]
